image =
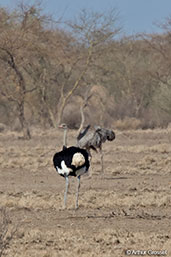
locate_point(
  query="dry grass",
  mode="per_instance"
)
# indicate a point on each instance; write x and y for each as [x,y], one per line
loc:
[128,123]
[127,208]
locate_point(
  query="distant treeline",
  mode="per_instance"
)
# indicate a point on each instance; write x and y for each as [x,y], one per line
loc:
[49,69]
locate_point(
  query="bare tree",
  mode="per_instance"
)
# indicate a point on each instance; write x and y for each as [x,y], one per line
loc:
[19,43]
[160,46]
[20,87]
[91,31]
[49,63]
[13,56]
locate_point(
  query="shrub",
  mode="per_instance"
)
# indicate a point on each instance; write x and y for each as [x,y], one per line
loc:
[127,123]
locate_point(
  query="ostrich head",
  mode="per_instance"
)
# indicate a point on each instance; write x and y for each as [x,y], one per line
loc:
[63,126]
[110,135]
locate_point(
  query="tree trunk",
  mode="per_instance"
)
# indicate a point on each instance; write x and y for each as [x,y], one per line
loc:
[61,106]
[65,97]
[23,122]
[22,89]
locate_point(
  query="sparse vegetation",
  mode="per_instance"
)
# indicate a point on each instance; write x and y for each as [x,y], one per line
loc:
[46,70]
[129,208]
[7,231]
[46,66]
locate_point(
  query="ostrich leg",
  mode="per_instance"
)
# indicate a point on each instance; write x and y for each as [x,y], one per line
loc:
[101,157]
[66,190]
[77,193]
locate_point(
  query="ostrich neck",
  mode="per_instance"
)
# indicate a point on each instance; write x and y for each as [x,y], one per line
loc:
[82,119]
[65,137]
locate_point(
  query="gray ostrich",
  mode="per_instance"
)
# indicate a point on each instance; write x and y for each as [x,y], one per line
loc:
[93,139]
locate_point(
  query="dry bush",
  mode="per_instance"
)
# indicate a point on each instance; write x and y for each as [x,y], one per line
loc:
[101,106]
[154,118]
[127,123]
[71,114]
[97,110]
[3,127]
[7,231]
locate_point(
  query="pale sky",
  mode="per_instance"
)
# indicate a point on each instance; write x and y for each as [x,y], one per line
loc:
[136,16]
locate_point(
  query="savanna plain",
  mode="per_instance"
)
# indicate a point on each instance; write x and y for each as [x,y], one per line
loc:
[126,208]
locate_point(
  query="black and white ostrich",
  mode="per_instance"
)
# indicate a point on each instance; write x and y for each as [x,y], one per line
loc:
[93,138]
[71,161]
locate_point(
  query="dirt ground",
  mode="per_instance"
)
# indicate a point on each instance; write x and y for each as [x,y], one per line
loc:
[127,208]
